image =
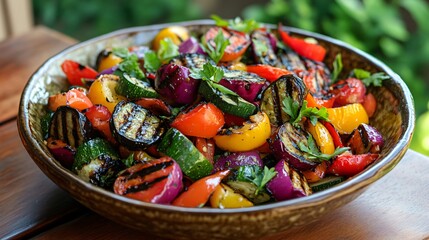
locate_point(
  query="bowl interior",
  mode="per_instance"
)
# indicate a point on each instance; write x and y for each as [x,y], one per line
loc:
[394,118]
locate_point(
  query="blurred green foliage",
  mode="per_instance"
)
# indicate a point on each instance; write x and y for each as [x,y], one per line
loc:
[90,18]
[394,31]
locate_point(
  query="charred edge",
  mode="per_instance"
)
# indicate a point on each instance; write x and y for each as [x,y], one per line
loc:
[144,186]
[363,136]
[277,105]
[150,169]
[63,123]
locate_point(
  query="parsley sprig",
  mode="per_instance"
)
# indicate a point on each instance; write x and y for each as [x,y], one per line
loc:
[256,175]
[368,79]
[296,112]
[238,24]
[314,153]
[128,65]
[167,50]
[212,75]
[216,52]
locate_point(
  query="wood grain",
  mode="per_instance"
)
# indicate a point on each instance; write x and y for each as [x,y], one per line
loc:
[395,207]
[19,58]
[29,201]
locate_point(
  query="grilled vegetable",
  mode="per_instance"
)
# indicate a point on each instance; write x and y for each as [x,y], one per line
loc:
[70,126]
[238,43]
[199,192]
[326,183]
[192,162]
[135,127]
[246,85]
[365,139]
[349,165]
[228,103]
[191,46]
[134,88]
[97,162]
[237,159]
[107,60]
[286,146]
[155,181]
[62,152]
[225,197]
[205,120]
[251,135]
[348,91]
[192,60]
[177,34]
[288,86]
[75,72]
[175,85]
[263,49]
[103,91]
[288,183]
[268,72]
[250,181]
[346,118]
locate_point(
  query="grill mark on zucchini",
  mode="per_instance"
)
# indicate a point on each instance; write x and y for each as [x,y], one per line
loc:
[277,105]
[143,186]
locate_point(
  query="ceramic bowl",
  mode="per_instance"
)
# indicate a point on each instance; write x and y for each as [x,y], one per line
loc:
[394,118]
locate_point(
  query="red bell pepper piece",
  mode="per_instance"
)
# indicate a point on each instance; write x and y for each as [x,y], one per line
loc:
[206,147]
[268,72]
[200,191]
[349,165]
[309,50]
[99,116]
[75,72]
[319,102]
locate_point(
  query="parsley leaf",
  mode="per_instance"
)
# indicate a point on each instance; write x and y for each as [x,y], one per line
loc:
[256,175]
[315,154]
[130,66]
[296,113]
[238,24]
[208,73]
[337,67]
[367,78]
[217,52]
[121,52]
[151,61]
[167,50]
[212,75]
[129,161]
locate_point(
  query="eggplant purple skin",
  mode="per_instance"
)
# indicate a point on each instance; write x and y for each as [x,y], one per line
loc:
[365,139]
[172,188]
[281,186]
[282,152]
[174,84]
[191,45]
[64,155]
[246,85]
[108,71]
[238,159]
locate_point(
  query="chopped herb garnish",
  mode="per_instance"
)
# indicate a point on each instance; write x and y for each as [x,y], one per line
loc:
[167,50]
[121,52]
[238,24]
[208,73]
[217,52]
[256,175]
[212,75]
[129,161]
[129,64]
[368,79]
[315,154]
[151,61]
[337,67]
[296,113]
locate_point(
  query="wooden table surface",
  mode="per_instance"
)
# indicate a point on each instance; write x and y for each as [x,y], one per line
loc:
[31,206]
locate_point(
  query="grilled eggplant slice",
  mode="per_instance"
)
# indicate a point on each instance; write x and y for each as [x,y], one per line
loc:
[288,86]
[192,60]
[365,139]
[134,126]
[246,85]
[286,146]
[288,183]
[70,126]
[263,49]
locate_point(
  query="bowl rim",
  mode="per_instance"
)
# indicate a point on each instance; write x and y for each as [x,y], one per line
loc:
[355,183]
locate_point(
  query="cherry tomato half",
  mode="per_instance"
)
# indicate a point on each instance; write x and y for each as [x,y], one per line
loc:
[238,42]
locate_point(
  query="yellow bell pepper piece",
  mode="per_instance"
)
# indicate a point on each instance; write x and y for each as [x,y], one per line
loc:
[322,137]
[102,91]
[346,118]
[108,62]
[225,197]
[177,34]
[251,135]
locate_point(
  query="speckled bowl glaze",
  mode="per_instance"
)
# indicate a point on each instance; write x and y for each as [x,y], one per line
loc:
[394,118]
